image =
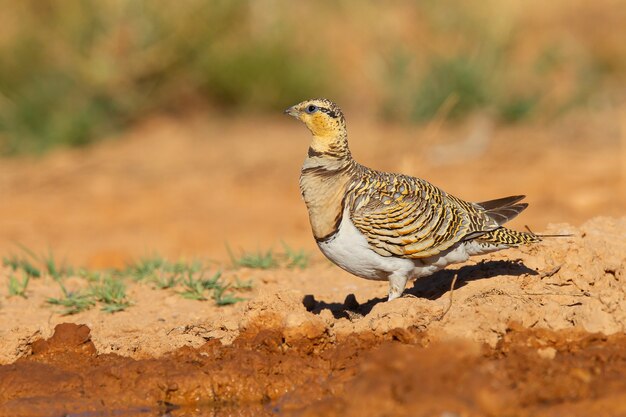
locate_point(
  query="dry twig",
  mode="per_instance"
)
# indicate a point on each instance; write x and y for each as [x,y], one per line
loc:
[456,275]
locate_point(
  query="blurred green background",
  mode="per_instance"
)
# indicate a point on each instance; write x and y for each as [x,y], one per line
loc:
[74,71]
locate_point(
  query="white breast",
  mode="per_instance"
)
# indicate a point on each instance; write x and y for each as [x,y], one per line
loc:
[349,249]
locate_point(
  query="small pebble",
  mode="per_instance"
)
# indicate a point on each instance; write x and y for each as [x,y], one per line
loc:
[547,353]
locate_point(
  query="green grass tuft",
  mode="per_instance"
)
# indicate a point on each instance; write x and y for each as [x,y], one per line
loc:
[197,288]
[163,273]
[46,263]
[188,275]
[242,285]
[73,302]
[22,264]
[194,287]
[145,268]
[18,287]
[108,288]
[111,293]
[254,260]
[269,259]
[165,281]
[90,276]
[56,271]
[295,258]
[223,299]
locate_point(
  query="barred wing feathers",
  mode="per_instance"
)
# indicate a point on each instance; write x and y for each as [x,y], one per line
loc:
[411,218]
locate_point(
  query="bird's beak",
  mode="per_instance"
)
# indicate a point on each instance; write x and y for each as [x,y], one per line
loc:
[292,111]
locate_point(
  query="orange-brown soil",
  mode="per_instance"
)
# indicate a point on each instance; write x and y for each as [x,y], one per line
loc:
[265,373]
[530,331]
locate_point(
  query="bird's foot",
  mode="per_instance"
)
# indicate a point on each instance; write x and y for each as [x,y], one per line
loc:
[407,295]
[353,315]
[396,286]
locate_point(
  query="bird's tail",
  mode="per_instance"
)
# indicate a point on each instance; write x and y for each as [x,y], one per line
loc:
[504,209]
[504,236]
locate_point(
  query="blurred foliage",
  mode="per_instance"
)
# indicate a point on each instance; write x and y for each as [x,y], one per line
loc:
[76,70]
[459,83]
[485,57]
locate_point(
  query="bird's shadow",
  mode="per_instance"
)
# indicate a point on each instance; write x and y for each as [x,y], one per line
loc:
[431,287]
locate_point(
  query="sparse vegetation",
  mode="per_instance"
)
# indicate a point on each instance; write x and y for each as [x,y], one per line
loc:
[454,87]
[222,298]
[90,276]
[243,285]
[146,268]
[108,288]
[18,287]
[255,260]
[111,293]
[164,281]
[21,264]
[188,275]
[73,301]
[47,263]
[56,271]
[269,259]
[199,288]
[195,287]
[295,258]
[161,272]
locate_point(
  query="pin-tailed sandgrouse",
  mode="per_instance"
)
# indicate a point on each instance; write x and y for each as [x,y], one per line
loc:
[385,226]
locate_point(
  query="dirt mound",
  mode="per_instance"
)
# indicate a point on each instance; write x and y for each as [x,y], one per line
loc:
[568,282]
[533,373]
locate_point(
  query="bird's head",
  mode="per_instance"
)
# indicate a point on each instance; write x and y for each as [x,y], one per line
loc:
[323,117]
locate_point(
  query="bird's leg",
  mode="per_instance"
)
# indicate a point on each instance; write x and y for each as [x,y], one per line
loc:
[397,282]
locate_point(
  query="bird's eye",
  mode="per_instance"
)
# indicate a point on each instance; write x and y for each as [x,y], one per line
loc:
[311,109]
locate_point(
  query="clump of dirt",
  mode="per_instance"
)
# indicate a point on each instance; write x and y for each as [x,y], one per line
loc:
[76,338]
[400,373]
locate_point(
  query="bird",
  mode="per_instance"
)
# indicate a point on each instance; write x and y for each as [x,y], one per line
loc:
[386,226]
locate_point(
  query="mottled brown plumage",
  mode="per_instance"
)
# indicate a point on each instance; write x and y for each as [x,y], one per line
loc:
[393,216]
